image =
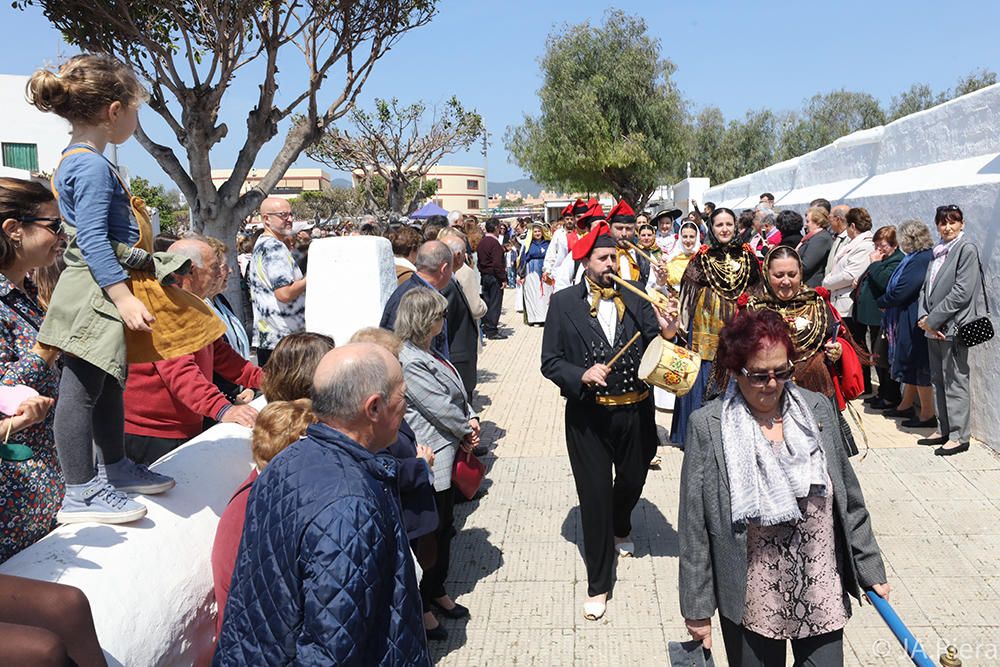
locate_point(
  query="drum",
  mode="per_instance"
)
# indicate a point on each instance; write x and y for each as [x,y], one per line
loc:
[669,366]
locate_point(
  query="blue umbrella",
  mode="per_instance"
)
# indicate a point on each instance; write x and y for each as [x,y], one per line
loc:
[428,210]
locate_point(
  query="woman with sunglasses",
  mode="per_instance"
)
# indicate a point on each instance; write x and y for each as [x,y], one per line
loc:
[774,532]
[31,237]
[950,298]
[811,318]
[713,280]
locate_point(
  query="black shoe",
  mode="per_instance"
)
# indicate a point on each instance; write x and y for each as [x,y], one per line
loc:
[496,336]
[438,634]
[916,423]
[941,451]
[458,611]
[870,400]
[882,404]
[893,413]
[934,442]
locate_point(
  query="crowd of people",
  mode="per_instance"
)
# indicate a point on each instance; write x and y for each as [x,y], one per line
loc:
[118,347]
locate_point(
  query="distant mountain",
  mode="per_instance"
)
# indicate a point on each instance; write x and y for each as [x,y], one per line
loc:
[340,183]
[525,186]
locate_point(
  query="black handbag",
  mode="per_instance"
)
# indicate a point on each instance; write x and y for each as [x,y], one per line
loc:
[979,330]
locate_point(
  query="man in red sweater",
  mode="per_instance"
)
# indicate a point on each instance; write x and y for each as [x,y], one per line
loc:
[166,402]
[493,271]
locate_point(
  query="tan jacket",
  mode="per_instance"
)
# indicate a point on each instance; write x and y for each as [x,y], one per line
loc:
[466,277]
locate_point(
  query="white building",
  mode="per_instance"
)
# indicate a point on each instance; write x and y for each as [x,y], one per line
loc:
[31,142]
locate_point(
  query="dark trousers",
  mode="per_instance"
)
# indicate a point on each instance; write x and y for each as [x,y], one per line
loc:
[859,332]
[888,389]
[493,296]
[148,449]
[600,439]
[467,372]
[263,354]
[438,549]
[745,648]
[90,414]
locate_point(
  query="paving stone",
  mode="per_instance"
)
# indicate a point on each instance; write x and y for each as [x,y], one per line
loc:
[516,559]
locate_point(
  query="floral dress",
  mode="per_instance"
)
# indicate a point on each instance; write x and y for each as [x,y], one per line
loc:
[31,491]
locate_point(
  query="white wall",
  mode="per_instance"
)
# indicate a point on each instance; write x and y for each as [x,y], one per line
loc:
[24,124]
[150,583]
[904,170]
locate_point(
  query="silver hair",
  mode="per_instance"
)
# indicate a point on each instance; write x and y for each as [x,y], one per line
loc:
[456,244]
[185,248]
[914,236]
[763,206]
[431,255]
[454,217]
[418,309]
[769,219]
[348,387]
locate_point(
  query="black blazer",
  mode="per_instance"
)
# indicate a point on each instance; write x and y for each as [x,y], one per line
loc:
[416,493]
[814,252]
[573,341]
[440,342]
[463,335]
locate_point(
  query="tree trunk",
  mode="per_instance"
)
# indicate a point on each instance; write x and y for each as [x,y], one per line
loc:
[225,226]
[397,196]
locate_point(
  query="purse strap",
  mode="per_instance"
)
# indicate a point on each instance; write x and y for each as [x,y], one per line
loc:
[982,278]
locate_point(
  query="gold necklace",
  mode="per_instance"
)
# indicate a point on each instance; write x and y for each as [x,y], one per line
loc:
[727,275]
[807,317]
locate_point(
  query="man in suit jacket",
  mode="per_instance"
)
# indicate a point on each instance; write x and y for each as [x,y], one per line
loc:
[492,267]
[838,234]
[463,334]
[433,262]
[609,411]
[950,298]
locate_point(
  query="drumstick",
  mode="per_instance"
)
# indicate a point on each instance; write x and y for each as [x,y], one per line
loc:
[625,347]
[642,252]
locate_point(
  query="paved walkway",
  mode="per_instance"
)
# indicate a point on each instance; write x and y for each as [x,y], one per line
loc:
[516,561]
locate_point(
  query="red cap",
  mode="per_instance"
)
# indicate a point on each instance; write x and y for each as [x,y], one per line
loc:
[598,237]
[622,212]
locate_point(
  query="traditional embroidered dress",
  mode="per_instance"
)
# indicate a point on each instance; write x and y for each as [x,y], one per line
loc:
[713,280]
[535,291]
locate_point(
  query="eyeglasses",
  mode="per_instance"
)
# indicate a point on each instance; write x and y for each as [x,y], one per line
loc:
[761,379]
[55,224]
[285,215]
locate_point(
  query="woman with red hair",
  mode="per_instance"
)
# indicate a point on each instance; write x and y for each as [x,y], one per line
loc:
[774,532]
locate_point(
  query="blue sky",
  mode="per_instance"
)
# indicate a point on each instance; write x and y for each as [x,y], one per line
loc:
[734,55]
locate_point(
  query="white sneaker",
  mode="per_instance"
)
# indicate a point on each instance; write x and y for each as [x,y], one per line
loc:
[98,502]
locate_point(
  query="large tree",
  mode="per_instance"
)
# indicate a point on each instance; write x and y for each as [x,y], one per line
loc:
[611,118]
[191,51]
[397,144]
[827,117]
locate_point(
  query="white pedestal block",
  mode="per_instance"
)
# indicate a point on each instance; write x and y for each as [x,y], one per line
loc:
[350,279]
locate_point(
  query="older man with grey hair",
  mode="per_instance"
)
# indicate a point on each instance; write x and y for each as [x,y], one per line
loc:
[465,308]
[327,505]
[434,263]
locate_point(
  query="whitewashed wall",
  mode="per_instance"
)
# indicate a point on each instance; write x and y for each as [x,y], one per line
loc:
[949,154]
[150,583]
[24,124]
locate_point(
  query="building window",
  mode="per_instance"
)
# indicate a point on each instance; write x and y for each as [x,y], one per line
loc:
[20,156]
[472,184]
[440,183]
[472,204]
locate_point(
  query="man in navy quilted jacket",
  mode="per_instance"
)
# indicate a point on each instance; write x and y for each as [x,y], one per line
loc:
[324,574]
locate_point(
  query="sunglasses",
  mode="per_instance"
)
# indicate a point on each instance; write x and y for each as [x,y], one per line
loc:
[948,207]
[55,225]
[761,379]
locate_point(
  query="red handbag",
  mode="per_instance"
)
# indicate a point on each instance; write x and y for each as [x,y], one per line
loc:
[468,473]
[850,382]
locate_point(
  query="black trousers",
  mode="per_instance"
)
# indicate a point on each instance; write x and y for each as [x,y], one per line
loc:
[859,332]
[439,549]
[467,372]
[888,389]
[147,449]
[493,296]
[263,354]
[599,440]
[745,648]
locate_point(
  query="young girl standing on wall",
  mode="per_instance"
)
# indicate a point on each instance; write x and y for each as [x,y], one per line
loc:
[110,280]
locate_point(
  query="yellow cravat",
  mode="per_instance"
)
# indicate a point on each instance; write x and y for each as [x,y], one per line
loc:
[598,293]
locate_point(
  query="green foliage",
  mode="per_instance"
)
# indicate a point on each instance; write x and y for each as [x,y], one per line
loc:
[611,118]
[327,204]
[917,98]
[974,81]
[511,203]
[374,191]
[397,145]
[166,203]
[827,117]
